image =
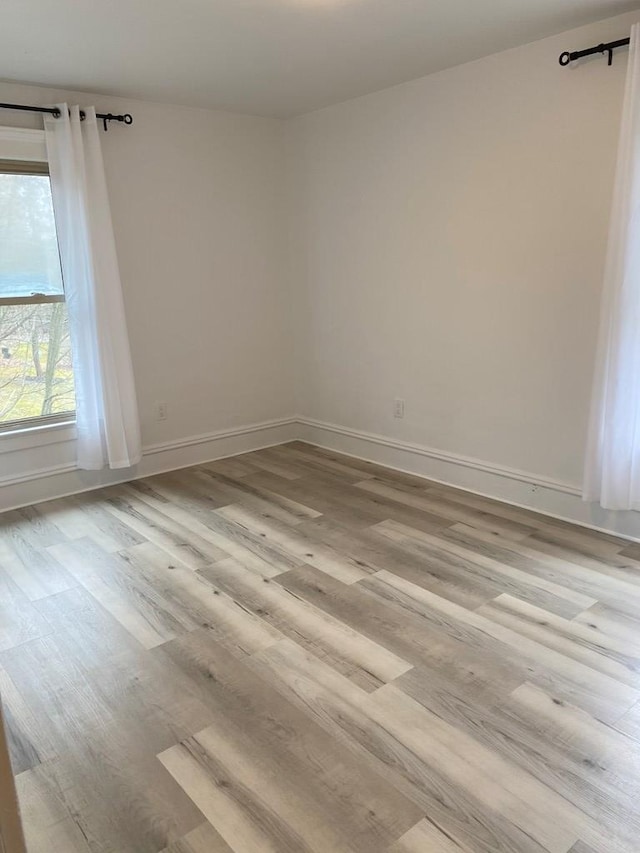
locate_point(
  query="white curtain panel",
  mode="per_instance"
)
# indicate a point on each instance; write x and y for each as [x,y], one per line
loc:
[106,409]
[612,469]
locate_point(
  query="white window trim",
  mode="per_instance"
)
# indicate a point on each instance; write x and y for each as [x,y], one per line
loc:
[21,143]
[38,435]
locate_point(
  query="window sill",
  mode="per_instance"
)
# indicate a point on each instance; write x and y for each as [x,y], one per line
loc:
[24,438]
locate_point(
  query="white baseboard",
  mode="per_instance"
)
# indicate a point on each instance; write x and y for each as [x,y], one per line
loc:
[59,480]
[520,488]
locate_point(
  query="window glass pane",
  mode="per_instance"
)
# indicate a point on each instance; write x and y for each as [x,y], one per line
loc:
[29,260]
[36,375]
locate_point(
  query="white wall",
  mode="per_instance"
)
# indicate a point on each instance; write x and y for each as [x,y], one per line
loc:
[197,205]
[448,243]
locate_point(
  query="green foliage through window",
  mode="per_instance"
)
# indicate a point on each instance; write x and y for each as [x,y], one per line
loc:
[36,374]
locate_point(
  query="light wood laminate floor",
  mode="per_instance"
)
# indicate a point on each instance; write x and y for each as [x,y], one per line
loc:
[293,650]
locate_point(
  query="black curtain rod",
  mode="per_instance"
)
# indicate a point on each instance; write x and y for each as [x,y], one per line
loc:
[127,118]
[609,47]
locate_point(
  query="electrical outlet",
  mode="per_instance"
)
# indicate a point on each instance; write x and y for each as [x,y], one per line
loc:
[161,411]
[398,408]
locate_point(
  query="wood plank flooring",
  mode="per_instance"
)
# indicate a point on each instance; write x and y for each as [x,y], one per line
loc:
[294,650]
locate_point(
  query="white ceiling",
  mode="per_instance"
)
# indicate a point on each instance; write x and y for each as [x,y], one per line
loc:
[271,57]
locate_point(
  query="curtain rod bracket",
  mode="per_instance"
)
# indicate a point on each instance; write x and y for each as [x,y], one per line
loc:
[127,118]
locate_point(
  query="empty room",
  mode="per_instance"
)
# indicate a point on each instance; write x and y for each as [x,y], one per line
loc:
[320,426]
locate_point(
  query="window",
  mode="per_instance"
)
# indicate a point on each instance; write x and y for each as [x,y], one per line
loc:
[36,374]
